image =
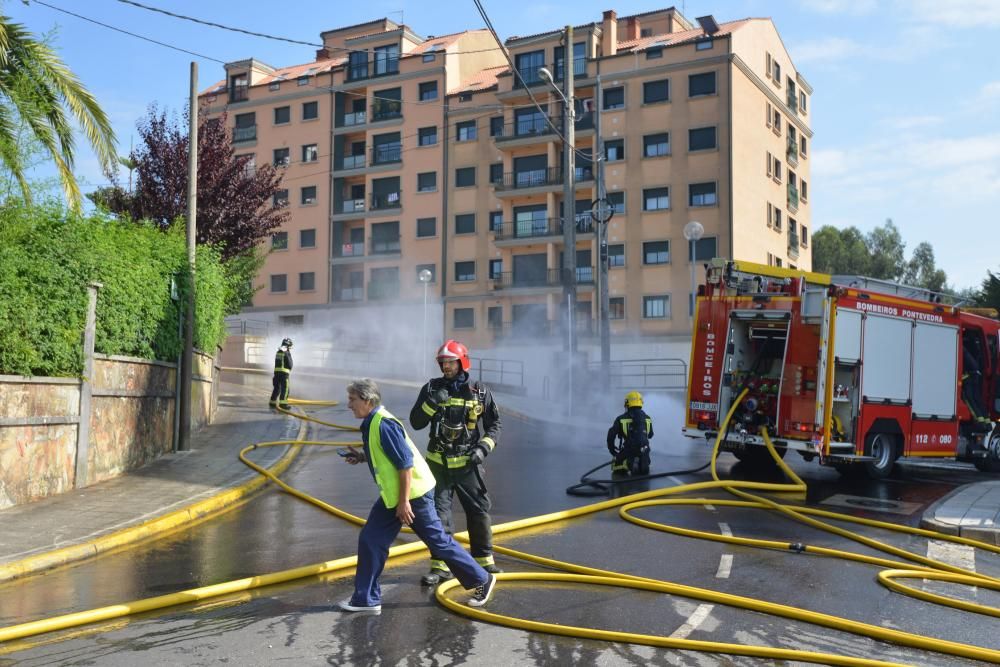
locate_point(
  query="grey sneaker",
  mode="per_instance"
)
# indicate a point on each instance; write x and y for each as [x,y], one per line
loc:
[345,605]
[483,592]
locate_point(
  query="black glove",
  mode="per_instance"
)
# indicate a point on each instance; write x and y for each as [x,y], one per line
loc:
[477,455]
[437,398]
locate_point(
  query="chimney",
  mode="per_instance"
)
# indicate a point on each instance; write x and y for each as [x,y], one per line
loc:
[322,54]
[609,33]
[632,30]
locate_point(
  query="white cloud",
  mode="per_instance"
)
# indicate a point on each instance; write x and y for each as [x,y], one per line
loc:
[826,50]
[909,123]
[829,162]
[955,13]
[856,7]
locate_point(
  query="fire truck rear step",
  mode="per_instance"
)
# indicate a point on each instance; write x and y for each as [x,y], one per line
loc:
[849,458]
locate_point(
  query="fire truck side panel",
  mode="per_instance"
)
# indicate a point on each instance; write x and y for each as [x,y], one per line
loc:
[935,370]
[798,387]
[708,349]
[883,418]
[932,438]
[887,353]
[847,344]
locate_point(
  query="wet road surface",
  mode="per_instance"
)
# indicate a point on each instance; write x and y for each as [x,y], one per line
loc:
[527,475]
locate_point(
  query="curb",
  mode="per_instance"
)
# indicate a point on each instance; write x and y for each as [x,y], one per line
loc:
[147,529]
[988,535]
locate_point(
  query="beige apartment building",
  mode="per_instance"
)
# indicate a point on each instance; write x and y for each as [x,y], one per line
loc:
[403,153]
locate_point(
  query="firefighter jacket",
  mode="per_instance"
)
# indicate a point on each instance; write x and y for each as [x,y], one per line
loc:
[283,361]
[620,428]
[469,403]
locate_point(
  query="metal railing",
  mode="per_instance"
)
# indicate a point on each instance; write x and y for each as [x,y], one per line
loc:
[527,229]
[352,206]
[373,68]
[498,372]
[585,275]
[387,110]
[531,126]
[385,200]
[529,75]
[239,94]
[581,174]
[530,178]
[350,250]
[792,152]
[666,374]
[793,198]
[353,162]
[584,223]
[244,133]
[247,327]
[350,294]
[387,154]
[793,244]
[512,279]
[385,245]
[355,118]
[387,290]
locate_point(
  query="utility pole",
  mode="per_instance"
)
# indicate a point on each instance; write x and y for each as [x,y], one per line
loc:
[601,218]
[569,193]
[187,369]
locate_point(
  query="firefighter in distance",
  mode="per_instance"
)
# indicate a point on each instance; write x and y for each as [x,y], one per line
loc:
[464,429]
[628,438]
[282,374]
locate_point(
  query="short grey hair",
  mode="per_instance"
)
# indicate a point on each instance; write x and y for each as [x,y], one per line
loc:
[366,390]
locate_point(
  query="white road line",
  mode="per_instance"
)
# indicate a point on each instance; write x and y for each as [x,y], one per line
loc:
[694,620]
[724,529]
[676,480]
[959,555]
[725,566]
[710,508]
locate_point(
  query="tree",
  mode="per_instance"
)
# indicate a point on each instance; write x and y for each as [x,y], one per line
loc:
[922,271]
[840,251]
[39,92]
[887,252]
[236,208]
[989,294]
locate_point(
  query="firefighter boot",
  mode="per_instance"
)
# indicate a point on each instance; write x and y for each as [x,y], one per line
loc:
[488,564]
[439,572]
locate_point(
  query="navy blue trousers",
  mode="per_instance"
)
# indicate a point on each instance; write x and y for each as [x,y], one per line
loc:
[383,527]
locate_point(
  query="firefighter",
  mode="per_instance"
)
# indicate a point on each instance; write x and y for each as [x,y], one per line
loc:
[972,381]
[464,428]
[282,373]
[628,438]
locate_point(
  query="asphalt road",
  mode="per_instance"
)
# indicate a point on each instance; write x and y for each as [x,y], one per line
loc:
[297,624]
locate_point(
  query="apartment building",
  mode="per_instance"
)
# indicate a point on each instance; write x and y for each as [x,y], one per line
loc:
[404,153]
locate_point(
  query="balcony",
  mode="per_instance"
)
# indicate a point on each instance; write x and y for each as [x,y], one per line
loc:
[244,134]
[386,66]
[585,275]
[793,245]
[512,280]
[387,110]
[352,206]
[385,201]
[350,294]
[529,178]
[386,290]
[387,154]
[353,162]
[349,250]
[583,174]
[793,198]
[239,94]
[792,100]
[356,118]
[527,229]
[529,75]
[385,245]
[584,223]
[533,126]
[792,152]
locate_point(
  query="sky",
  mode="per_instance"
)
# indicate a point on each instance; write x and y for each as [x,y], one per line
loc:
[905,110]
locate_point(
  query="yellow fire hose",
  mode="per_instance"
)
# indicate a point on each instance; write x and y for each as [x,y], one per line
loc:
[918,567]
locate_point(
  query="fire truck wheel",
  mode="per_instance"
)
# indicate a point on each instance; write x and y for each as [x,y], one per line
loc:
[881,446]
[987,465]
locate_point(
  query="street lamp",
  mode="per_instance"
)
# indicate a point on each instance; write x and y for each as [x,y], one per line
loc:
[425,277]
[693,231]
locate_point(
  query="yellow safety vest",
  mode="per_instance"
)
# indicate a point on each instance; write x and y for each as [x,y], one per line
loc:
[386,474]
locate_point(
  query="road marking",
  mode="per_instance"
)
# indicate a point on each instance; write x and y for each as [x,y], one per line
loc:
[725,566]
[694,620]
[676,480]
[710,508]
[959,555]
[724,529]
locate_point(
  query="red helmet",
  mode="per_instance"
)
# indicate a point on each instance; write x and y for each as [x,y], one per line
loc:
[452,349]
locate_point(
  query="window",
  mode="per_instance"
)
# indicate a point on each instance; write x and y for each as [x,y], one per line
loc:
[702,194]
[777,219]
[465,97]
[776,74]
[291,320]
[302,80]
[280,198]
[494,317]
[465,131]
[646,32]
[656,252]
[528,65]
[281,157]
[777,170]
[307,281]
[496,126]
[426,227]
[427,136]
[427,181]
[701,84]
[282,115]
[616,254]
[656,199]
[274,85]
[427,267]
[465,177]
[616,308]
[308,195]
[770,163]
[614,150]
[705,249]
[465,318]
[614,98]
[803,190]
[701,138]
[496,172]
[655,53]
[279,241]
[656,91]
[465,223]
[617,200]
[428,91]
[656,307]
[386,59]
[387,104]
[802,102]
[496,268]
[496,221]
[465,272]
[428,57]
[656,145]
[768,114]
[768,66]
[310,110]
[279,282]
[804,236]
[803,146]
[776,122]
[703,44]
[307,238]
[310,153]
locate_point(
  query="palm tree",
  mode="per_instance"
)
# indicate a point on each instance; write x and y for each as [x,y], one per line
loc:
[37,90]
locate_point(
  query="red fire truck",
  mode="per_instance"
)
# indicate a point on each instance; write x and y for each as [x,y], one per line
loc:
[853,371]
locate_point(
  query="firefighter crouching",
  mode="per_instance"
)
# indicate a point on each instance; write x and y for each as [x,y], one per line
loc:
[464,428]
[282,373]
[628,438]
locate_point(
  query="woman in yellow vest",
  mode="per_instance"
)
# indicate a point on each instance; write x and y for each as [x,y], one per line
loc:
[406,497]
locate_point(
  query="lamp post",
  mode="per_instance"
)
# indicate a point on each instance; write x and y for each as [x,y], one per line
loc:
[693,231]
[425,277]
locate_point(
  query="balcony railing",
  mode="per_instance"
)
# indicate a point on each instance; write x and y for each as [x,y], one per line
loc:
[792,100]
[355,118]
[373,68]
[584,223]
[352,206]
[533,126]
[385,200]
[793,198]
[579,68]
[530,75]
[244,133]
[792,152]
[527,229]
[793,244]
[385,245]
[387,290]
[387,154]
[387,110]
[529,178]
[585,275]
[582,174]
[350,294]
[239,94]
[515,279]
[353,162]
[350,250]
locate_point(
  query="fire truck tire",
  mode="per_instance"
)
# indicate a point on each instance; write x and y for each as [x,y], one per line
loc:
[881,446]
[987,465]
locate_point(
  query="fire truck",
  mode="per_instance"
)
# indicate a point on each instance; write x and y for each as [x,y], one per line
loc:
[852,371]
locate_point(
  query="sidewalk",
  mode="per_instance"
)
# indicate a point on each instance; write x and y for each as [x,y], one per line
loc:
[170,492]
[971,511]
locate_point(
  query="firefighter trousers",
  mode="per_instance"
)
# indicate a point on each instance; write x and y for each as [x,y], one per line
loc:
[472,494]
[279,393]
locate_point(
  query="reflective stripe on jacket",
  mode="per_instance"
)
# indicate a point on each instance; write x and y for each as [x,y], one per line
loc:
[280,363]
[386,474]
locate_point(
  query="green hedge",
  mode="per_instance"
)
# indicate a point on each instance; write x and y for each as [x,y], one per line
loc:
[47,258]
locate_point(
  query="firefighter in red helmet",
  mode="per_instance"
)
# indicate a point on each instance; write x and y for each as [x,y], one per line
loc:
[464,429]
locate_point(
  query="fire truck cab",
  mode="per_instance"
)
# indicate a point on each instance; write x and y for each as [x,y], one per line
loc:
[852,371]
